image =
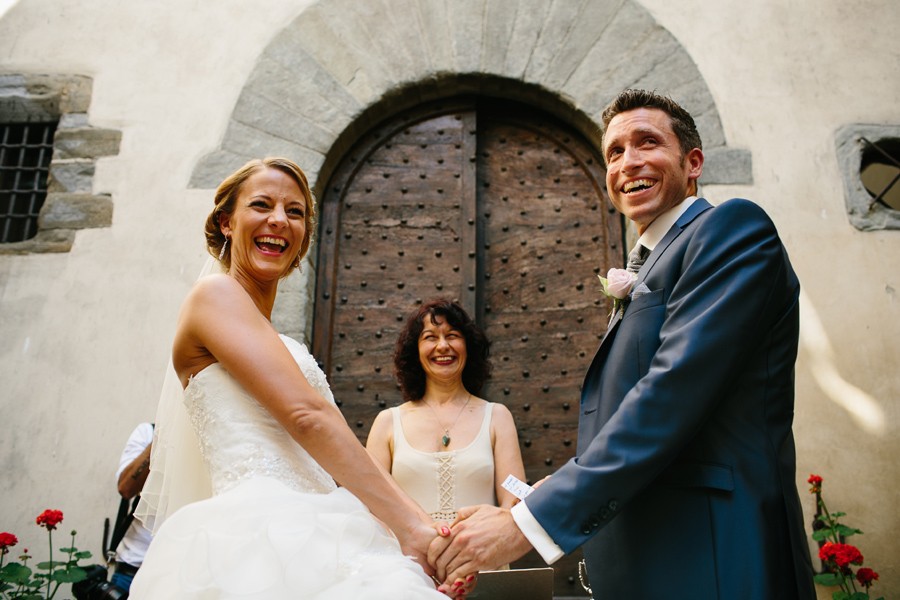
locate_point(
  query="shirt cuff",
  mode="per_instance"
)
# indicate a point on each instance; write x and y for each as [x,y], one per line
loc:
[536,534]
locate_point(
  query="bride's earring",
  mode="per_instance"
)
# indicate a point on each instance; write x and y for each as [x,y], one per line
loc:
[222,252]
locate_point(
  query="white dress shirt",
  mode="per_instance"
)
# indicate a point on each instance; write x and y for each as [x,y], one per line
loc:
[531,529]
[134,544]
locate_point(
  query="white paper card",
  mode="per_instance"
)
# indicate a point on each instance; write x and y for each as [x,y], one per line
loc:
[517,487]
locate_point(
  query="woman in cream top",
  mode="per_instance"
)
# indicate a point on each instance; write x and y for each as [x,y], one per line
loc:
[446,447]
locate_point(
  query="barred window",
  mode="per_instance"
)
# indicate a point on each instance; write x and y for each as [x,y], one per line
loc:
[880,172]
[25,153]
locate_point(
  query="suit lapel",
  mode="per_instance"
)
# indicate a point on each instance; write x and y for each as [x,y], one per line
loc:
[699,206]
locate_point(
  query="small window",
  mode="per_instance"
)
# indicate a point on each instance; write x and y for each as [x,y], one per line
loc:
[869,160]
[880,171]
[25,153]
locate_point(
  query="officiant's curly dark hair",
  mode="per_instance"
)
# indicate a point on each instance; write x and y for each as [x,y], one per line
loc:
[407,366]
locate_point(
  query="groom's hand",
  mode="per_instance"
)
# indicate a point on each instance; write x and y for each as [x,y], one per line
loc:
[482,539]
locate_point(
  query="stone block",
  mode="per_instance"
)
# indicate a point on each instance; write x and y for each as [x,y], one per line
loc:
[287,51]
[73,121]
[260,113]
[213,168]
[407,39]
[290,312]
[498,29]
[631,67]
[85,143]
[45,242]
[466,21]
[586,28]
[73,176]
[588,82]
[314,33]
[529,21]
[271,80]
[732,166]
[249,141]
[363,29]
[710,128]
[75,211]
[556,26]
[436,31]
[42,98]
[72,92]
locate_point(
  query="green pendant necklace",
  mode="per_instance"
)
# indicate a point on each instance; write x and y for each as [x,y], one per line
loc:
[446,439]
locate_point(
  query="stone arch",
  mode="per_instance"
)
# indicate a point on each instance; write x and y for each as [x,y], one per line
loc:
[342,66]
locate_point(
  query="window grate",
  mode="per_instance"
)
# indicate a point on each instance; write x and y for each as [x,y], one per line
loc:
[25,153]
[885,158]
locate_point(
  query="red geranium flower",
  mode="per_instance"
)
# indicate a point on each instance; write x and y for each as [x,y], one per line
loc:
[816,482]
[866,576]
[49,519]
[7,540]
[841,554]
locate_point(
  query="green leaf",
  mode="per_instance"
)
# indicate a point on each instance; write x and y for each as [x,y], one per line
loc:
[838,514]
[68,550]
[840,596]
[31,597]
[847,531]
[859,596]
[70,575]
[83,554]
[15,573]
[828,579]
[822,534]
[822,518]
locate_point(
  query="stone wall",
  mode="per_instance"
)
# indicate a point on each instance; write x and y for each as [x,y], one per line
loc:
[70,204]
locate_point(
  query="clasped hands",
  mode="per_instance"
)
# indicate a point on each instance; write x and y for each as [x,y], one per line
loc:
[482,538]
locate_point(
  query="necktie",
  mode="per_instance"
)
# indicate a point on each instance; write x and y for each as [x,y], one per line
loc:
[636,258]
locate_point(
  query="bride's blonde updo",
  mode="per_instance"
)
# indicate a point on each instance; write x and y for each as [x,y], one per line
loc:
[230,189]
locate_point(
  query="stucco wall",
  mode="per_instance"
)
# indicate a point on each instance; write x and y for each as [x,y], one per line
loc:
[84,335]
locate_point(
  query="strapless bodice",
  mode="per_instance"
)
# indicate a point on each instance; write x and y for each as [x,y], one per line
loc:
[240,440]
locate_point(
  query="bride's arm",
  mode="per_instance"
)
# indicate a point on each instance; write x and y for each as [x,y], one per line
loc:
[220,323]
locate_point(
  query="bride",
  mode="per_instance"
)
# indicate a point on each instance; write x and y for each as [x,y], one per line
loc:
[293,491]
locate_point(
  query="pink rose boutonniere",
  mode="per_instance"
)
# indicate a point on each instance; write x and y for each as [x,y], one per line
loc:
[617,285]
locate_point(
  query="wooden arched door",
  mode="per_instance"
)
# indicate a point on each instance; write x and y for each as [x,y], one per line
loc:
[490,203]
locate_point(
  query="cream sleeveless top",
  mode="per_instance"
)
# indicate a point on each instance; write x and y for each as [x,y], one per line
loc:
[442,482]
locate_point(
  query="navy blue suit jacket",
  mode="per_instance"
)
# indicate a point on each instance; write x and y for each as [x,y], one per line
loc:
[684,480]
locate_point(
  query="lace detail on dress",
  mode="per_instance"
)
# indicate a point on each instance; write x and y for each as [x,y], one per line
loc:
[311,370]
[443,515]
[446,481]
[240,440]
[253,460]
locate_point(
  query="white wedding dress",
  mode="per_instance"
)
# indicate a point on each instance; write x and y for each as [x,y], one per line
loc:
[277,526]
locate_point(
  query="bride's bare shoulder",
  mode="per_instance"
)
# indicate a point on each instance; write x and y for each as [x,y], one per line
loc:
[214,291]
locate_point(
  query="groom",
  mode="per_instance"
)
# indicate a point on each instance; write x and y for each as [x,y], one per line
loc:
[684,484]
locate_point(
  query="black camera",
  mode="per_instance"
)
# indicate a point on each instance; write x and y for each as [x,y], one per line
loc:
[96,587]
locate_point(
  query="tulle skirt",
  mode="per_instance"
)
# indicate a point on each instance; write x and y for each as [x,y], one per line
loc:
[264,541]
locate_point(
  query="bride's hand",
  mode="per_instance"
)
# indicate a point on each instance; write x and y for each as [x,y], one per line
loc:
[415,544]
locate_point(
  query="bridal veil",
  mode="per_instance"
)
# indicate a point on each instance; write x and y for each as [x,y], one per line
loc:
[178,475]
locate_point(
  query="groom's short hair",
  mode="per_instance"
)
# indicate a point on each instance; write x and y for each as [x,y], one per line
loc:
[681,120]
